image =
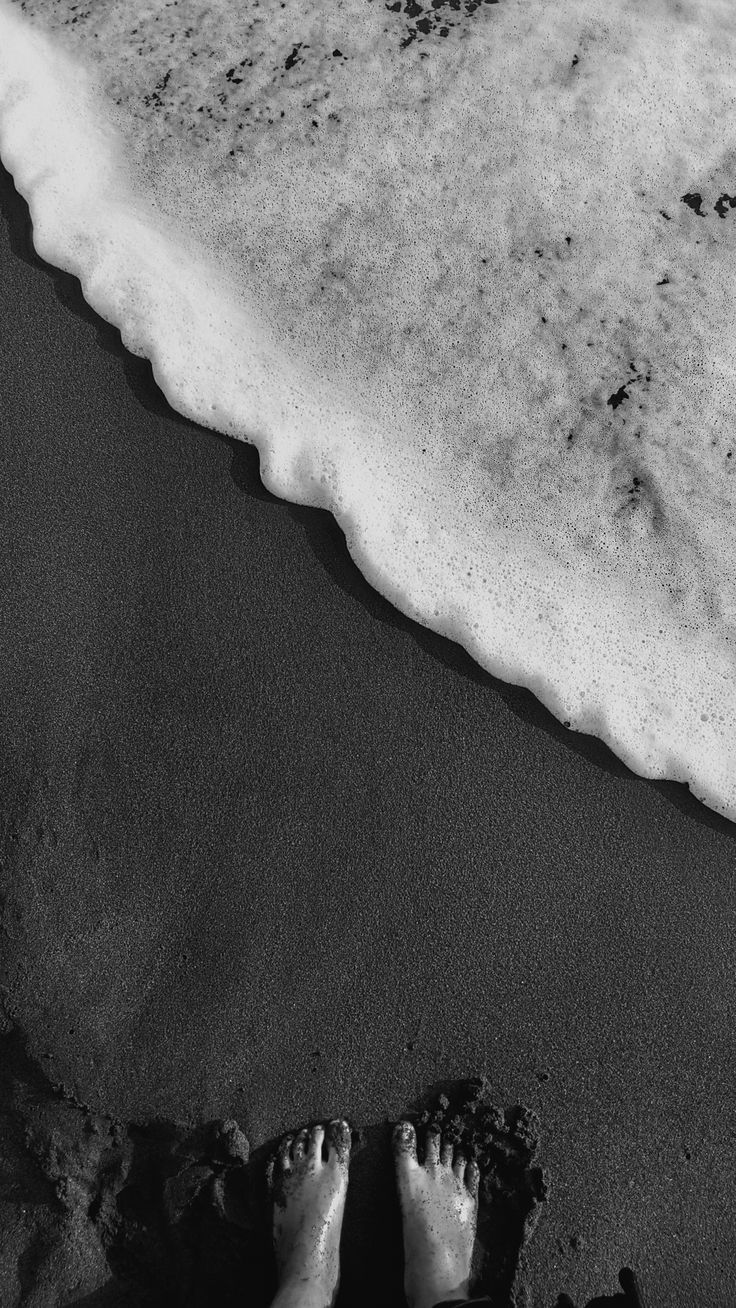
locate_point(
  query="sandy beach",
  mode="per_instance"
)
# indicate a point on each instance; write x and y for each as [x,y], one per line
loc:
[272,852]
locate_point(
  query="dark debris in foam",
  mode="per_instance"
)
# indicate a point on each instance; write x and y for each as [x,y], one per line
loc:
[617,398]
[196,103]
[694,200]
[432,20]
[260,89]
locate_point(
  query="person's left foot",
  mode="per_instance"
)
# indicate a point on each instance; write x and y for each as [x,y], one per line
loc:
[308,1180]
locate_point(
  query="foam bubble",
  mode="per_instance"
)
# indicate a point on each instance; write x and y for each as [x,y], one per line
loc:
[464,280]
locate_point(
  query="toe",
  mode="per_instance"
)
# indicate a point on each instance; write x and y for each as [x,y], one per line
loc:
[284,1153]
[446,1151]
[300,1145]
[472,1178]
[338,1141]
[316,1140]
[404,1142]
[459,1164]
[432,1146]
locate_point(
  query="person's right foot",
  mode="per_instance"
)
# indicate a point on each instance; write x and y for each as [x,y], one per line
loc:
[439,1207]
[308,1180]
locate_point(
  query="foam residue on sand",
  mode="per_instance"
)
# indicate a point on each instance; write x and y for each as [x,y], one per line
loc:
[462,274]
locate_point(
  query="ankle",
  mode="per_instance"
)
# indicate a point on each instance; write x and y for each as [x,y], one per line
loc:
[301,1292]
[434,1292]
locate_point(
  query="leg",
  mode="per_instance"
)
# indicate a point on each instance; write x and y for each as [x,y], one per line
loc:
[308,1180]
[439,1208]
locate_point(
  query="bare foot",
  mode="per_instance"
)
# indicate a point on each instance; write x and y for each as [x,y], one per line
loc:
[439,1206]
[308,1192]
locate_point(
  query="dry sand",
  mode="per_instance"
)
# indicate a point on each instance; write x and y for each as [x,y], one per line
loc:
[272,852]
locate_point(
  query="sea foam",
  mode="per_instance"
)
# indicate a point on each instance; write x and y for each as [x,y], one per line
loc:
[463,276]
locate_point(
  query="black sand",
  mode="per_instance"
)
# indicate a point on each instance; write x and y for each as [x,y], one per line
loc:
[272,853]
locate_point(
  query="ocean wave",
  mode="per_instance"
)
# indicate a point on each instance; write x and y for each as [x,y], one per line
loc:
[462,277]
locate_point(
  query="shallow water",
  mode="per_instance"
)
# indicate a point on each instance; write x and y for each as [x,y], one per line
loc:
[462,277]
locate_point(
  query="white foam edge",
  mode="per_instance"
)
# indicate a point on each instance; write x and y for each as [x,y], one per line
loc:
[128,261]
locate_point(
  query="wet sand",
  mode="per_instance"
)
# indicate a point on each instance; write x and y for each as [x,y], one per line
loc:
[272,852]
